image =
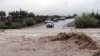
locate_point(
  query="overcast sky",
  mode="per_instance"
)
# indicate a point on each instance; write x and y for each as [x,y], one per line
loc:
[51,7]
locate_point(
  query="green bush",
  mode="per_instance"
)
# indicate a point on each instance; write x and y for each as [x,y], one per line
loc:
[15,25]
[24,23]
[86,21]
[3,25]
[39,20]
[29,21]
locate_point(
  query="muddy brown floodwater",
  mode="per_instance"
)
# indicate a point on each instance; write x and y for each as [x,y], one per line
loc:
[25,42]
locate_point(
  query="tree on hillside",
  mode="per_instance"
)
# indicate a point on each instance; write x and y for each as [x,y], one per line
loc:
[97,16]
[93,14]
[23,14]
[74,15]
[14,14]
[2,14]
[31,15]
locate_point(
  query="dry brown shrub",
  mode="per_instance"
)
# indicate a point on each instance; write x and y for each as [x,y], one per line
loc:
[81,39]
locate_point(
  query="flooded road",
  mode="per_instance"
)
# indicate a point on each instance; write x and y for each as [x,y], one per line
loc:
[59,24]
[62,23]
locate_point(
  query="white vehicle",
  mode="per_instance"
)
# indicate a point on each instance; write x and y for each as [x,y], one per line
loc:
[62,18]
[46,21]
[50,24]
[55,19]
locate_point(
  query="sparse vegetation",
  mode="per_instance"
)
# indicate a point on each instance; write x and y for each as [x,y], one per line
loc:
[86,21]
[3,25]
[29,21]
[19,19]
[15,25]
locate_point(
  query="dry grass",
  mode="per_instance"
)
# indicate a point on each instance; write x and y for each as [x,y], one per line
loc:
[81,39]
